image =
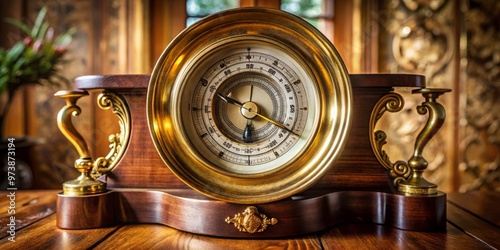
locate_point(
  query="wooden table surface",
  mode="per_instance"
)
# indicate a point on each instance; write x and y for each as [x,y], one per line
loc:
[473,223]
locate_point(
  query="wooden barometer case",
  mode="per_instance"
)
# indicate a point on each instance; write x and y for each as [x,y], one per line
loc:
[250,126]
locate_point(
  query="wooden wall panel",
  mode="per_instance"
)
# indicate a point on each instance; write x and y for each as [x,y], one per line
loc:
[454,44]
[15,121]
[55,155]
[479,144]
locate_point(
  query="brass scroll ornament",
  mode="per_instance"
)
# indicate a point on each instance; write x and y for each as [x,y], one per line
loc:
[90,170]
[408,176]
[392,102]
[251,221]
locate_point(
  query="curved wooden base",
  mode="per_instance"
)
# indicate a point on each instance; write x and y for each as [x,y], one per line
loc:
[189,211]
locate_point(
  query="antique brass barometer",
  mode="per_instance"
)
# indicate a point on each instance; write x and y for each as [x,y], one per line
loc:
[250,126]
[249,106]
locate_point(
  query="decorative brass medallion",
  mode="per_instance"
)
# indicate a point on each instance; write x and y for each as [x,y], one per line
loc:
[251,221]
[249,105]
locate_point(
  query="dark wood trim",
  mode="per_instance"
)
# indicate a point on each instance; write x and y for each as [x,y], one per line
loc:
[188,211]
[387,80]
[125,81]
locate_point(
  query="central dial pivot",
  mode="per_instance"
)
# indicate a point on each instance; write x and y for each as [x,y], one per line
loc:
[249,110]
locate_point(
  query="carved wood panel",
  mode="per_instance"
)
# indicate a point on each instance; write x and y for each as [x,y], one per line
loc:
[455,45]
[480,118]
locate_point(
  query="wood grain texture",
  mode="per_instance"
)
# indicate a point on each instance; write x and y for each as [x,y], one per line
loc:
[44,234]
[161,237]
[484,205]
[357,166]
[95,211]
[387,80]
[27,208]
[36,224]
[474,226]
[121,82]
[366,236]
[189,211]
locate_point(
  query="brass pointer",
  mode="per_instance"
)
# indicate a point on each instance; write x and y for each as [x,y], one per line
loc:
[239,104]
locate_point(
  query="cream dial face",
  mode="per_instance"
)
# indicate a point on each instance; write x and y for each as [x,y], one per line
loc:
[249,111]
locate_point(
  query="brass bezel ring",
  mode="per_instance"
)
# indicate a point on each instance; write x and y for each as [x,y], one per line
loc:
[333,96]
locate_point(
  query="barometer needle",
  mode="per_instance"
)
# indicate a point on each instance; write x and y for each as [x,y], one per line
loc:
[230,100]
[239,104]
[279,125]
[248,132]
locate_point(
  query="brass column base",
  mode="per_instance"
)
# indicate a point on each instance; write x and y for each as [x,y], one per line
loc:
[84,185]
[417,185]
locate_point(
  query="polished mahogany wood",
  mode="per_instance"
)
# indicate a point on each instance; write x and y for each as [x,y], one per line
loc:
[133,81]
[44,234]
[485,205]
[478,213]
[31,206]
[387,80]
[363,236]
[189,211]
[160,237]
[357,167]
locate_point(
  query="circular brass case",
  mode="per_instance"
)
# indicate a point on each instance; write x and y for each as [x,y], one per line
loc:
[326,82]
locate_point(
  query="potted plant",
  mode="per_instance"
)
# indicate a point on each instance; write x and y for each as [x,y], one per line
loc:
[34,60]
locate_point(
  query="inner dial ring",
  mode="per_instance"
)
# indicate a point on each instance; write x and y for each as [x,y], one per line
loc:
[258,94]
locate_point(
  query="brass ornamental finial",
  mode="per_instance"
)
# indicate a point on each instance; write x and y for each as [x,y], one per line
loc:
[84,184]
[417,184]
[90,170]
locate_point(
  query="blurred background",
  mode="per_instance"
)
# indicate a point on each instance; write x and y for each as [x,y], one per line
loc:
[455,44]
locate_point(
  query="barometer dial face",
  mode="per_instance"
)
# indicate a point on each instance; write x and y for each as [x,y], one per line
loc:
[249,105]
[249,111]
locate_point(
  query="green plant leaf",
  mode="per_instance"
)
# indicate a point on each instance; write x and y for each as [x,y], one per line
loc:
[20,25]
[63,41]
[35,62]
[43,31]
[19,63]
[3,83]
[14,52]
[38,22]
